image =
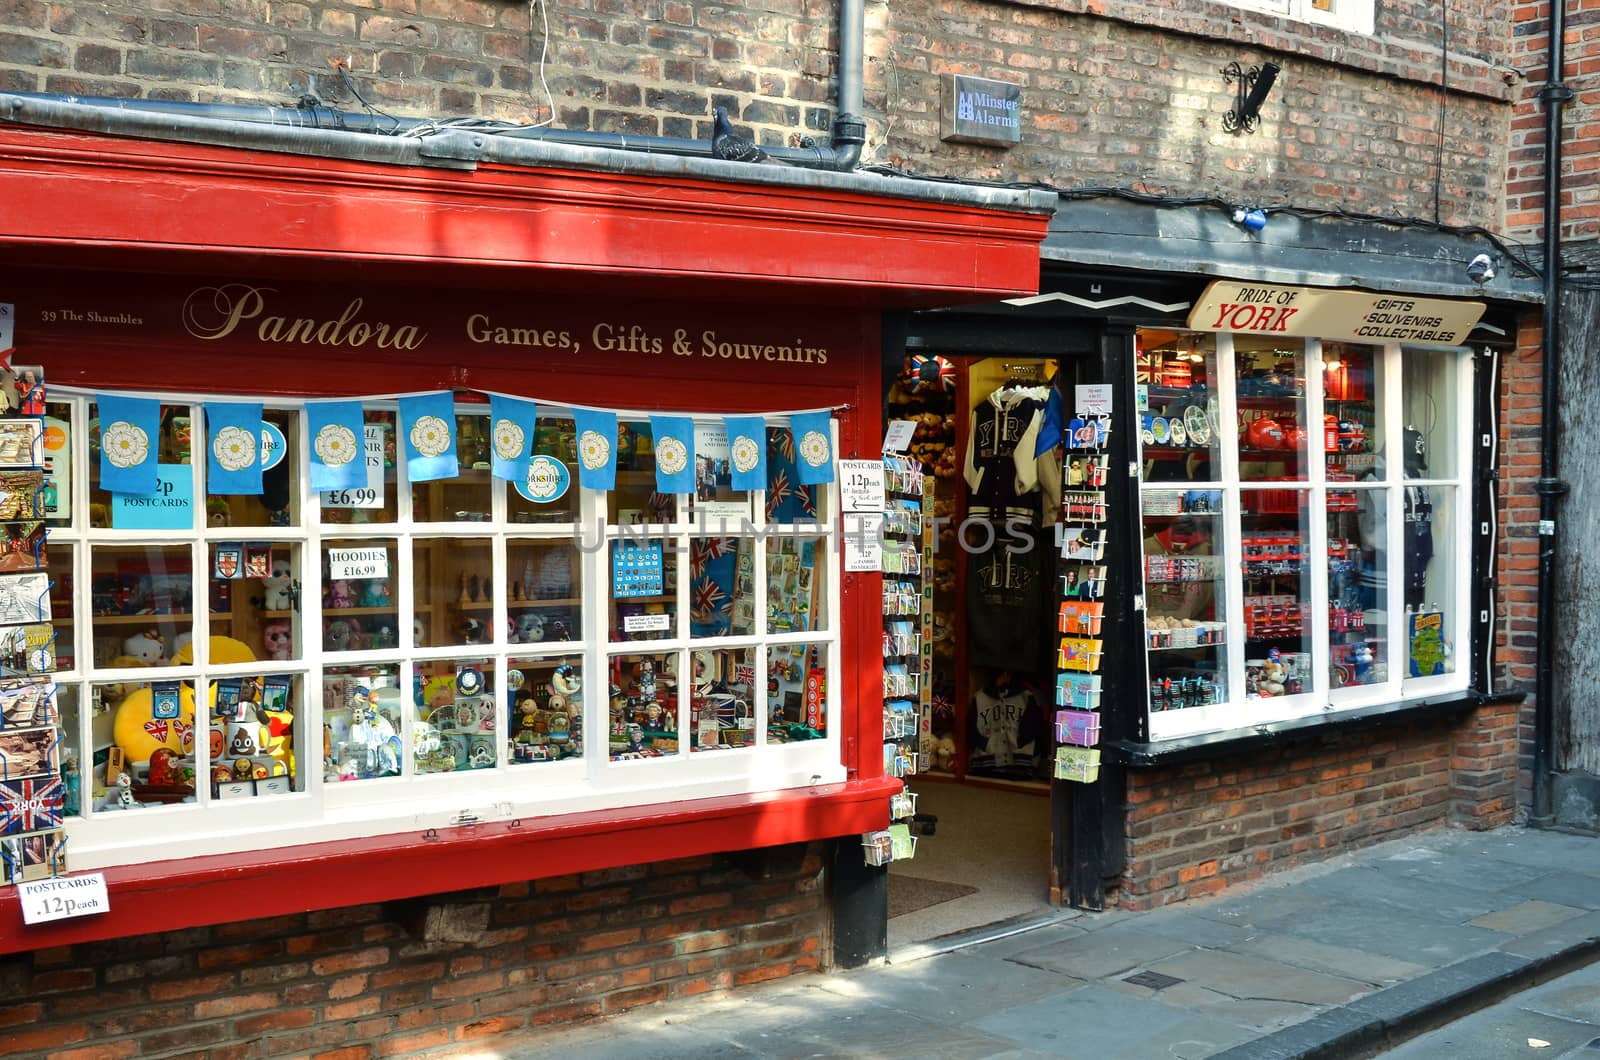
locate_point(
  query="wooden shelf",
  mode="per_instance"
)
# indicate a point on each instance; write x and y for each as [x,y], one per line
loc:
[336,612]
[135,620]
[520,605]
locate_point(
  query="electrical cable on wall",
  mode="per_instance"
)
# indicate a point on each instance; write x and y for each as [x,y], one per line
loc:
[1444,94]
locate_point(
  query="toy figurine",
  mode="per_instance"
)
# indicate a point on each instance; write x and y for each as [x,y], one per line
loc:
[375,593]
[339,595]
[161,771]
[418,633]
[276,638]
[462,597]
[635,739]
[279,587]
[120,797]
[147,647]
[530,628]
[647,679]
[243,768]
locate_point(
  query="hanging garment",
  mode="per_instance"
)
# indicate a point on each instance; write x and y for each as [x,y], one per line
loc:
[1418,539]
[1007,623]
[1003,726]
[1002,461]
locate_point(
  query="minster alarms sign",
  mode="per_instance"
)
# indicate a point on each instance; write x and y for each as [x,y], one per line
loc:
[1356,316]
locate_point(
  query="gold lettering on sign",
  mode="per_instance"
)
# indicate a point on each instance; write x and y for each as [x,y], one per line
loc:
[212,313]
[799,353]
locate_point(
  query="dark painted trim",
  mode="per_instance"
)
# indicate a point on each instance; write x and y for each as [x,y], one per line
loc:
[858,899]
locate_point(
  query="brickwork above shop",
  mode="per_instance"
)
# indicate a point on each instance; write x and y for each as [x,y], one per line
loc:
[1195,829]
[1134,98]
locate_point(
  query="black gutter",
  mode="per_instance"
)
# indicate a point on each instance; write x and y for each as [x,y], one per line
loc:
[1550,487]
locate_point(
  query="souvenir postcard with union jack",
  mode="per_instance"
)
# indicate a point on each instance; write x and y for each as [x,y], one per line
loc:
[29,753]
[27,702]
[31,805]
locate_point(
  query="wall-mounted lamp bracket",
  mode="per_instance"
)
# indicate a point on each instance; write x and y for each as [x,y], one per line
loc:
[1250,91]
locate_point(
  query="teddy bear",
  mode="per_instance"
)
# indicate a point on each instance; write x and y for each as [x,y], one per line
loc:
[277,585]
[944,753]
[147,647]
[529,628]
[338,635]
[276,637]
[1272,678]
[339,595]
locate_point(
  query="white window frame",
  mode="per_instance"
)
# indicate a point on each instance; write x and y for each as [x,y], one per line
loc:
[1321,699]
[411,802]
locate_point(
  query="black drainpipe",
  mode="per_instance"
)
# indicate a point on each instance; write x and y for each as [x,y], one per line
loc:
[1550,487]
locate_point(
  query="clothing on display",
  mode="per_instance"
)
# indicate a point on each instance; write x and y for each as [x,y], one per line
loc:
[1006,594]
[1002,465]
[1003,729]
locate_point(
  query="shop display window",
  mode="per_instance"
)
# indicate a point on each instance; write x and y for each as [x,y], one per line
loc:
[547,708]
[363,654]
[644,694]
[361,708]
[360,605]
[457,720]
[1269,525]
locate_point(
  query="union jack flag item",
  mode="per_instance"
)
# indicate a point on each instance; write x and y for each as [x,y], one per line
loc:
[30,805]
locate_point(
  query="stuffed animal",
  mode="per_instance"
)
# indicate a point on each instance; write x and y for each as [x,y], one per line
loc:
[472,631]
[944,753]
[276,637]
[375,593]
[419,632]
[340,596]
[120,797]
[277,585]
[147,647]
[1272,678]
[337,637]
[217,513]
[530,628]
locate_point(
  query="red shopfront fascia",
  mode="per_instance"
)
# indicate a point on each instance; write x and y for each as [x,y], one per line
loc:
[137,264]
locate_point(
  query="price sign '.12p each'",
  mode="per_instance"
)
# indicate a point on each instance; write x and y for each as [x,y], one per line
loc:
[63,897]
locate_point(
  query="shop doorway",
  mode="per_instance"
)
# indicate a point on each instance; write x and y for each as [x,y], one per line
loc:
[986,735]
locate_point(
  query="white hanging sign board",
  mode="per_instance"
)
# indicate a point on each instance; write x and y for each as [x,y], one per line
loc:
[348,564]
[861,485]
[863,542]
[63,897]
[898,436]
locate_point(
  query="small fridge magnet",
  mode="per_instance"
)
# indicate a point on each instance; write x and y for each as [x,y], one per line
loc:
[230,561]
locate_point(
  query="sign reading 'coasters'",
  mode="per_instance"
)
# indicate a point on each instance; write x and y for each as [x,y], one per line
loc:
[1356,316]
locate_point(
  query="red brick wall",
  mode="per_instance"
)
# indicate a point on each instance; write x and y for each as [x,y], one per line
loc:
[1134,96]
[1193,830]
[468,969]
[1521,421]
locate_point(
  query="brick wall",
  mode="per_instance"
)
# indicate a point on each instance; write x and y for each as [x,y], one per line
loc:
[1137,97]
[1196,829]
[472,969]
[1521,421]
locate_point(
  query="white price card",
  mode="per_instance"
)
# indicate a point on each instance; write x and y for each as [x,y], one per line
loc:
[898,436]
[370,495]
[351,563]
[861,485]
[646,623]
[863,542]
[1093,399]
[8,322]
[62,897]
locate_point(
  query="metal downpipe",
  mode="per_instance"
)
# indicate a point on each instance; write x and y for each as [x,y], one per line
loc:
[1550,487]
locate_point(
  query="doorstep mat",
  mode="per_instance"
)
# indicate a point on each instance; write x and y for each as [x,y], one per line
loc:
[907,894]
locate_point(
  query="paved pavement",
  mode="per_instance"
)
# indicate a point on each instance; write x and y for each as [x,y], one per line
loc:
[1557,1021]
[1340,959]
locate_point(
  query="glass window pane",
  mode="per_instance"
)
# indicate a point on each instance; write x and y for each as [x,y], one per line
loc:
[797,692]
[359,613]
[644,706]
[797,584]
[1274,435]
[1358,607]
[174,447]
[544,594]
[547,697]
[1428,536]
[1185,603]
[720,715]
[1428,389]
[722,592]
[1177,398]
[717,505]
[26,539]
[788,500]
[466,497]
[55,502]
[453,579]
[550,495]
[254,593]
[635,499]
[279,501]
[76,763]
[361,707]
[152,729]
[644,588]
[143,599]
[1352,424]
[378,500]
[256,736]
[457,717]
[1277,592]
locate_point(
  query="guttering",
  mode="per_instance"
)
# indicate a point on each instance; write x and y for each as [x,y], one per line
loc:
[1550,487]
[849,129]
